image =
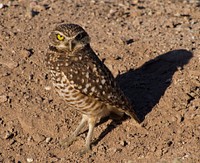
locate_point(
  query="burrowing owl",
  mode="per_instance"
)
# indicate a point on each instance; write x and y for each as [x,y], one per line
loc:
[82,80]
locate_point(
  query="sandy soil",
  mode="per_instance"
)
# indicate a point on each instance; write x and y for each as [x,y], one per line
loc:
[153,49]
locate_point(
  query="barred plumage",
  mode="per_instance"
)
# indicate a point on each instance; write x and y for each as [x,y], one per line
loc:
[82,80]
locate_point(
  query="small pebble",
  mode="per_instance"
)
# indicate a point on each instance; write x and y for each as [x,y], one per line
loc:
[127,41]
[54,159]
[130,161]
[8,135]
[135,1]
[26,53]
[93,1]
[29,159]
[123,143]
[1,5]
[47,88]
[48,139]
[38,138]
[3,98]
[11,64]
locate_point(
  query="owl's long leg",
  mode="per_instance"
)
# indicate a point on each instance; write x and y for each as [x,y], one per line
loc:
[91,123]
[68,141]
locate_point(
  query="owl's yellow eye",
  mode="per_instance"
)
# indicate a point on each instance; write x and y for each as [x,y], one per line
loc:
[60,37]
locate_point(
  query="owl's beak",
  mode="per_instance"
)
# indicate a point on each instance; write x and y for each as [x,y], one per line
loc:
[71,45]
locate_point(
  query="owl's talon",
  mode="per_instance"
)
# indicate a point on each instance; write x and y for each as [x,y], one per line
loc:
[84,151]
[67,141]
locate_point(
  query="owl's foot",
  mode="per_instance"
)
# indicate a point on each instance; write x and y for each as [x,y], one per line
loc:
[67,141]
[85,150]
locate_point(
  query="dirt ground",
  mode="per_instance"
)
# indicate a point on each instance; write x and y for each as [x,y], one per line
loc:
[152,48]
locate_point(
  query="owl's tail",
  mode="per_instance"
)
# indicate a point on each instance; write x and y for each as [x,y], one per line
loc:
[120,113]
[133,116]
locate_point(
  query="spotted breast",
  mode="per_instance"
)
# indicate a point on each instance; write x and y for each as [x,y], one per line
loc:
[68,78]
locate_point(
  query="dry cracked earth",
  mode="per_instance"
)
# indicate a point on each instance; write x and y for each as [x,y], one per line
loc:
[151,47]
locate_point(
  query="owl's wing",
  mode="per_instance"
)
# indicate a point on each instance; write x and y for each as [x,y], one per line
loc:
[92,78]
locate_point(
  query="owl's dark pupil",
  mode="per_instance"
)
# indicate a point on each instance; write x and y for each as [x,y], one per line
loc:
[79,36]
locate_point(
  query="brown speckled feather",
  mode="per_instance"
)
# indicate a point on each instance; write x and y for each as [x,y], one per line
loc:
[92,78]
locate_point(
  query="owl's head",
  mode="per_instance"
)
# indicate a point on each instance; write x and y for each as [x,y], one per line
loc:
[68,37]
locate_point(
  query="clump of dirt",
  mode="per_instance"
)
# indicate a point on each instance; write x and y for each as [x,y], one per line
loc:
[153,49]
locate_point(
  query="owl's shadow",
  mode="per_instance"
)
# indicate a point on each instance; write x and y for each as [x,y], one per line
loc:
[147,84]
